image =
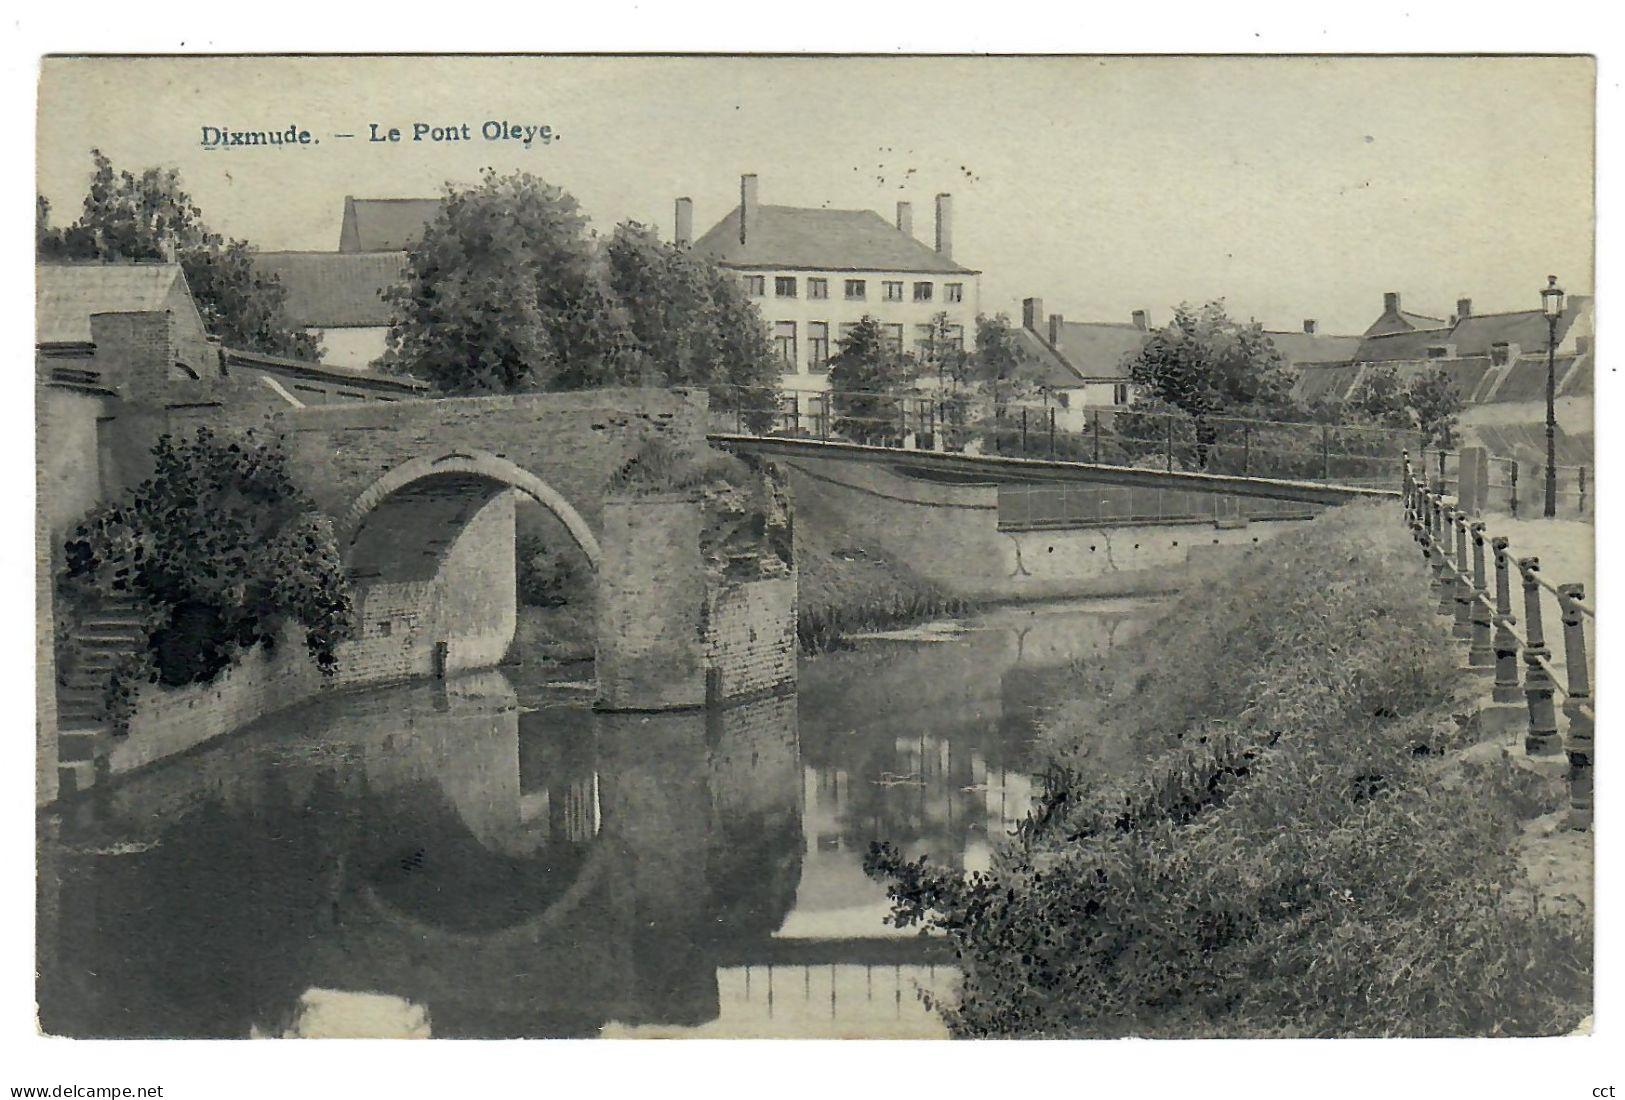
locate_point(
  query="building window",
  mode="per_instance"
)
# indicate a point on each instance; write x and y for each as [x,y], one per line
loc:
[956,337]
[818,288]
[923,340]
[784,343]
[756,285]
[953,292]
[922,292]
[1120,393]
[818,345]
[892,335]
[856,290]
[846,331]
[1500,355]
[784,286]
[893,291]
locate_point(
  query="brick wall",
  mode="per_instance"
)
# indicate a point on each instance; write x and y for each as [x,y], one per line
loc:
[750,637]
[572,441]
[469,604]
[651,604]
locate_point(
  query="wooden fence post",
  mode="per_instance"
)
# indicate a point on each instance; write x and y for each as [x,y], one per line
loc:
[1506,688]
[1577,707]
[1024,431]
[1169,423]
[1463,627]
[1581,510]
[1052,431]
[1512,469]
[1097,435]
[1435,534]
[1537,682]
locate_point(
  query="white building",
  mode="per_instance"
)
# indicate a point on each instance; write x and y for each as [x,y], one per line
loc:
[815,273]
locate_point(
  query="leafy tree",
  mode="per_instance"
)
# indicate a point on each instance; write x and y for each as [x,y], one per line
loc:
[692,323]
[150,217]
[503,294]
[221,549]
[867,379]
[1436,403]
[1207,364]
[1380,398]
[1000,363]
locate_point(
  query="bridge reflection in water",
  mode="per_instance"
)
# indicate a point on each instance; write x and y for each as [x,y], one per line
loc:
[495,861]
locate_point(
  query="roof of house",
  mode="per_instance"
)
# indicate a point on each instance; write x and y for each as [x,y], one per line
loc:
[1100,349]
[335,289]
[1474,335]
[1313,347]
[384,225]
[66,294]
[1400,345]
[824,240]
[1048,368]
[1402,321]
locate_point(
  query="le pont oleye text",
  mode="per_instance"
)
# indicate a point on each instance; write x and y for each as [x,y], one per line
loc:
[526,134]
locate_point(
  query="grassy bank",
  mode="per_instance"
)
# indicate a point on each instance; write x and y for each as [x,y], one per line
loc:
[1259,824]
[846,586]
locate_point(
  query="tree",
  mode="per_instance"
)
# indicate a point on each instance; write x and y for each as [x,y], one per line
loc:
[1380,397]
[867,378]
[1207,364]
[1000,363]
[1435,402]
[150,217]
[503,294]
[692,323]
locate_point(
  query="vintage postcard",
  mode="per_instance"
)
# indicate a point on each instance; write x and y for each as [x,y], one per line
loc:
[537,547]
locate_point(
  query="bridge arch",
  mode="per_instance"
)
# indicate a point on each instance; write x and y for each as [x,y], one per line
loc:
[473,464]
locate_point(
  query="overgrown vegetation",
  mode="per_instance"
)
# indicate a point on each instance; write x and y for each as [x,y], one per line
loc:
[217,549]
[127,217]
[1255,826]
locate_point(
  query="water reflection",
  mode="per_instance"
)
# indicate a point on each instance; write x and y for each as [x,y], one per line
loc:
[479,859]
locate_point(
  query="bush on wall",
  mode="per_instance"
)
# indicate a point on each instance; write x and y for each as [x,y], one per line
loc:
[218,550]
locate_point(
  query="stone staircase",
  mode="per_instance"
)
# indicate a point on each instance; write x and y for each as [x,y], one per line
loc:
[105,637]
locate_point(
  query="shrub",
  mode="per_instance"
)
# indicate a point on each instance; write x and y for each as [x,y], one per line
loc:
[220,549]
[1275,852]
[547,578]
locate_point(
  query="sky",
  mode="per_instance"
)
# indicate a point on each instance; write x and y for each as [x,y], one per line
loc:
[1291,187]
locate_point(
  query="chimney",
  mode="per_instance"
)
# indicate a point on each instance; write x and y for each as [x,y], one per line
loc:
[1141,321]
[905,218]
[1390,302]
[747,205]
[1310,325]
[945,226]
[1055,330]
[1464,308]
[1032,313]
[684,235]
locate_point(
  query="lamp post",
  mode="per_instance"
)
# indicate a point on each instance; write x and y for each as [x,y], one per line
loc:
[1551,304]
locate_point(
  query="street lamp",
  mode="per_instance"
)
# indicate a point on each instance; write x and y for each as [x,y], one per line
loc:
[1551,304]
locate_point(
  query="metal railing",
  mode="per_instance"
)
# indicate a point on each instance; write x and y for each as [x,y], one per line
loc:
[1489,627]
[1515,485]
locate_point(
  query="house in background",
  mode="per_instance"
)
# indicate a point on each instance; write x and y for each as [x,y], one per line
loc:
[338,296]
[815,273]
[384,225]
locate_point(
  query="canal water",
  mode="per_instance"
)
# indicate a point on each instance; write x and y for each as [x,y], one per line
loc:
[488,857]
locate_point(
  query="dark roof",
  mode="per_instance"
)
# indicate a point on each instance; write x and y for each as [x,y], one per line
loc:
[1404,322]
[1312,347]
[326,372]
[384,225]
[335,289]
[65,295]
[1100,349]
[1400,345]
[1476,334]
[823,240]
[1048,369]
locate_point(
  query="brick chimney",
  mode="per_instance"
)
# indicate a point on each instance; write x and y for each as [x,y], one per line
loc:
[1142,320]
[135,351]
[747,205]
[1055,329]
[1464,308]
[1032,313]
[945,226]
[1310,325]
[1390,302]
[683,236]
